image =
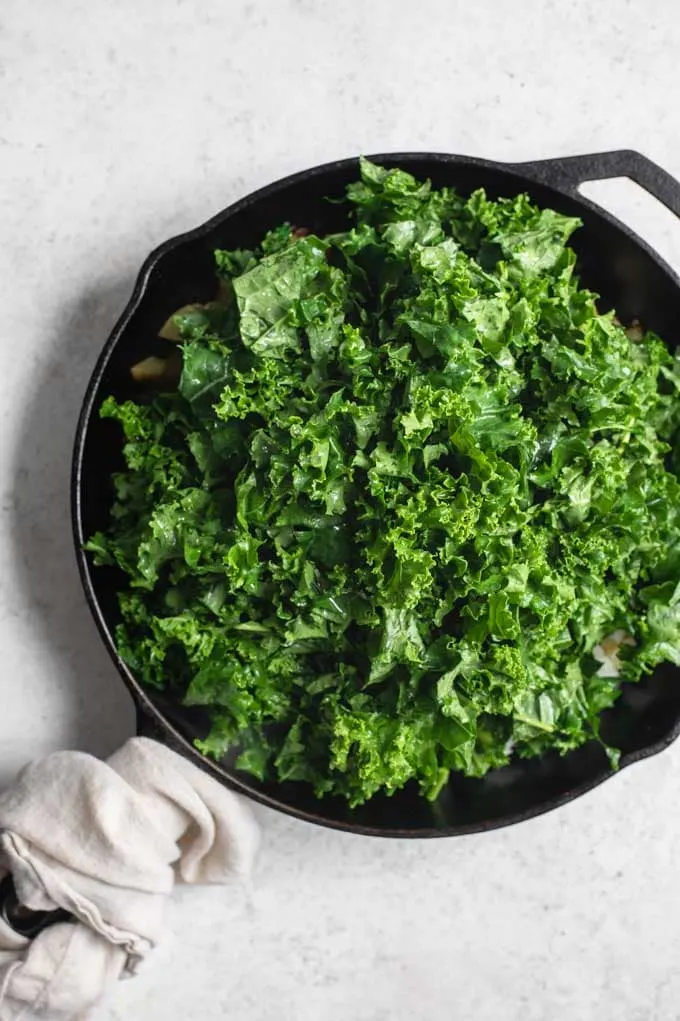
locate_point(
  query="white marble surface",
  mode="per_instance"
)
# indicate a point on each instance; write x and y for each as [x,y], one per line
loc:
[122,123]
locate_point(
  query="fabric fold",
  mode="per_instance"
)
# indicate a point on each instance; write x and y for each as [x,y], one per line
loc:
[106,841]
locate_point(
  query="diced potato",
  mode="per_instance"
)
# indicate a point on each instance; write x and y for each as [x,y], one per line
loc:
[607,652]
[169,330]
[635,331]
[158,370]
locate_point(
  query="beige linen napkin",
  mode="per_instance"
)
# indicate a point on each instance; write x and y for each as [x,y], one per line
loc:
[106,841]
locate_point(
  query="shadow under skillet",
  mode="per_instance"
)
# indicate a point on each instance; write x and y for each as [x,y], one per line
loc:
[98,714]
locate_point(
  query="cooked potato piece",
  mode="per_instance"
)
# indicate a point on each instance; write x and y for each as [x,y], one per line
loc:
[158,370]
[169,330]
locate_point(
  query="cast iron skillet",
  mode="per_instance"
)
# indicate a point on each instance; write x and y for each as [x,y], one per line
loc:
[613,261]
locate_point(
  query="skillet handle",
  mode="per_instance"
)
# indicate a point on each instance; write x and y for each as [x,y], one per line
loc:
[147,726]
[567,173]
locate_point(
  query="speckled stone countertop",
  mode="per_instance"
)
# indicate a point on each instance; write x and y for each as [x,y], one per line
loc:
[123,123]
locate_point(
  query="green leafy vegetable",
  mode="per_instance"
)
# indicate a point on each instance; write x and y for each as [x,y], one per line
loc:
[412,487]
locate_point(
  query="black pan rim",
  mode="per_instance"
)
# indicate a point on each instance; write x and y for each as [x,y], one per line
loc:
[515,173]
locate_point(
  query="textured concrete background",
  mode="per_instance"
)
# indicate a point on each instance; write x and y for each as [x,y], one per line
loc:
[123,123]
